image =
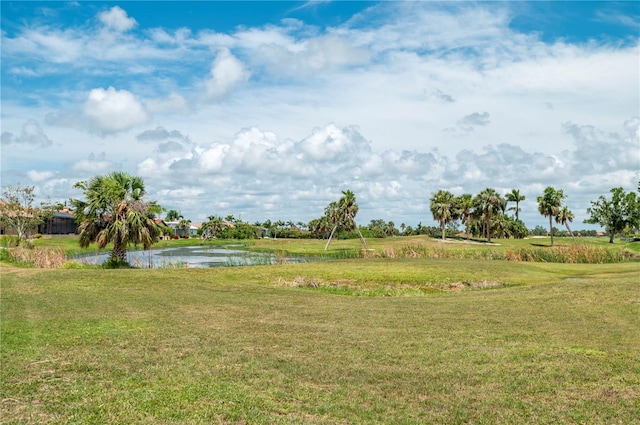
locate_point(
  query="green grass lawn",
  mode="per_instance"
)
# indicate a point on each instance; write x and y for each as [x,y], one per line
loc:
[320,343]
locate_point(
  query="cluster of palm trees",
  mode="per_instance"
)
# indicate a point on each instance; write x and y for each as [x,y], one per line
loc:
[114,212]
[339,214]
[484,213]
[550,205]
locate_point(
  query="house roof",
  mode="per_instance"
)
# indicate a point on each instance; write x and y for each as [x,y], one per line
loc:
[63,214]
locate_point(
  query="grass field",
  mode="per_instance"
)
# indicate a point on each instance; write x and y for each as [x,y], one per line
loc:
[370,340]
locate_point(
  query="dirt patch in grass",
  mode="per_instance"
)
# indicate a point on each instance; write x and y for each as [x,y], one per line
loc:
[378,288]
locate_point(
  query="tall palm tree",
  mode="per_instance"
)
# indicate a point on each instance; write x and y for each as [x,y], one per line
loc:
[349,208]
[464,205]
[343,214]
[114,212]
[443,208]
[549,205]
[564,217]
[487,204]
[515,196]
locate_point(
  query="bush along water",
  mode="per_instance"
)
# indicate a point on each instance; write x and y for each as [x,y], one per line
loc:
[580,254]
[44,258]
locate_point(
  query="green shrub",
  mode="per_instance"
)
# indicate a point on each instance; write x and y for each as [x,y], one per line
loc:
[38,235]
[71,264]
[115,264]
[5,255]
[581,254]
[8,241]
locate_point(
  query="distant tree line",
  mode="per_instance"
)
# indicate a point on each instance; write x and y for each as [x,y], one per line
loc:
[114,211]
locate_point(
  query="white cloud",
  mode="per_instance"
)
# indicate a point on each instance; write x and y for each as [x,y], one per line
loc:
[31,135]
[117,19]
[37,176]
[477,119]
[94,164]
[174,103]
[330,142]
[226,73]
[390,79]
[112,111]
[159,134]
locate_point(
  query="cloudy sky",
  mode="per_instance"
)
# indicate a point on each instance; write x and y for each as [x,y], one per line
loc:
[268,110]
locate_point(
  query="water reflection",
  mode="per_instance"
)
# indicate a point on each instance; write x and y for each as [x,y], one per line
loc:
[187,256]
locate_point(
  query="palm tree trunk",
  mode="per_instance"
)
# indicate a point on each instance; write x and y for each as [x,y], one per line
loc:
[571,233]
[443,229]
[551,229]
[330,236]
[364,243]
[119,253]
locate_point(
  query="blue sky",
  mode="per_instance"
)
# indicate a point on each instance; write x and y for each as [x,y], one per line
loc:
[268,110]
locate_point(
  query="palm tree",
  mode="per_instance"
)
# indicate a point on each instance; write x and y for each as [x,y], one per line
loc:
[486,204]
[349,209]
[212,227]
[501,226]
[184,225]
[549,205]
[443,208]
[464,205]
[515,196]
[114,212]
[173,215]
[343,214]
[565,216]
[276,227]
[320,227]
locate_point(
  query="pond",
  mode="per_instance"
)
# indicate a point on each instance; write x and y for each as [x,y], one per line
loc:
[191,256]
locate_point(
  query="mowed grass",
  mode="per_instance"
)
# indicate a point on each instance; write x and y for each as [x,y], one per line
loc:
[543,343]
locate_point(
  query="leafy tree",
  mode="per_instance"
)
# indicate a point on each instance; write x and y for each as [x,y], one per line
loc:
[320,227]
[515,196]
[212,228]
[549,205]
[377,228]
[517,229]
[464,206]
[615,215]
[443,208]
[17,211]
[343,214]
[538,231]
[173,215]
[276,228]
[183,226]
[564,217]
[487,204]
[501,226]
[114,212]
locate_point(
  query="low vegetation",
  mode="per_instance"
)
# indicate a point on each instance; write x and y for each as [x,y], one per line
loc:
[367,340]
